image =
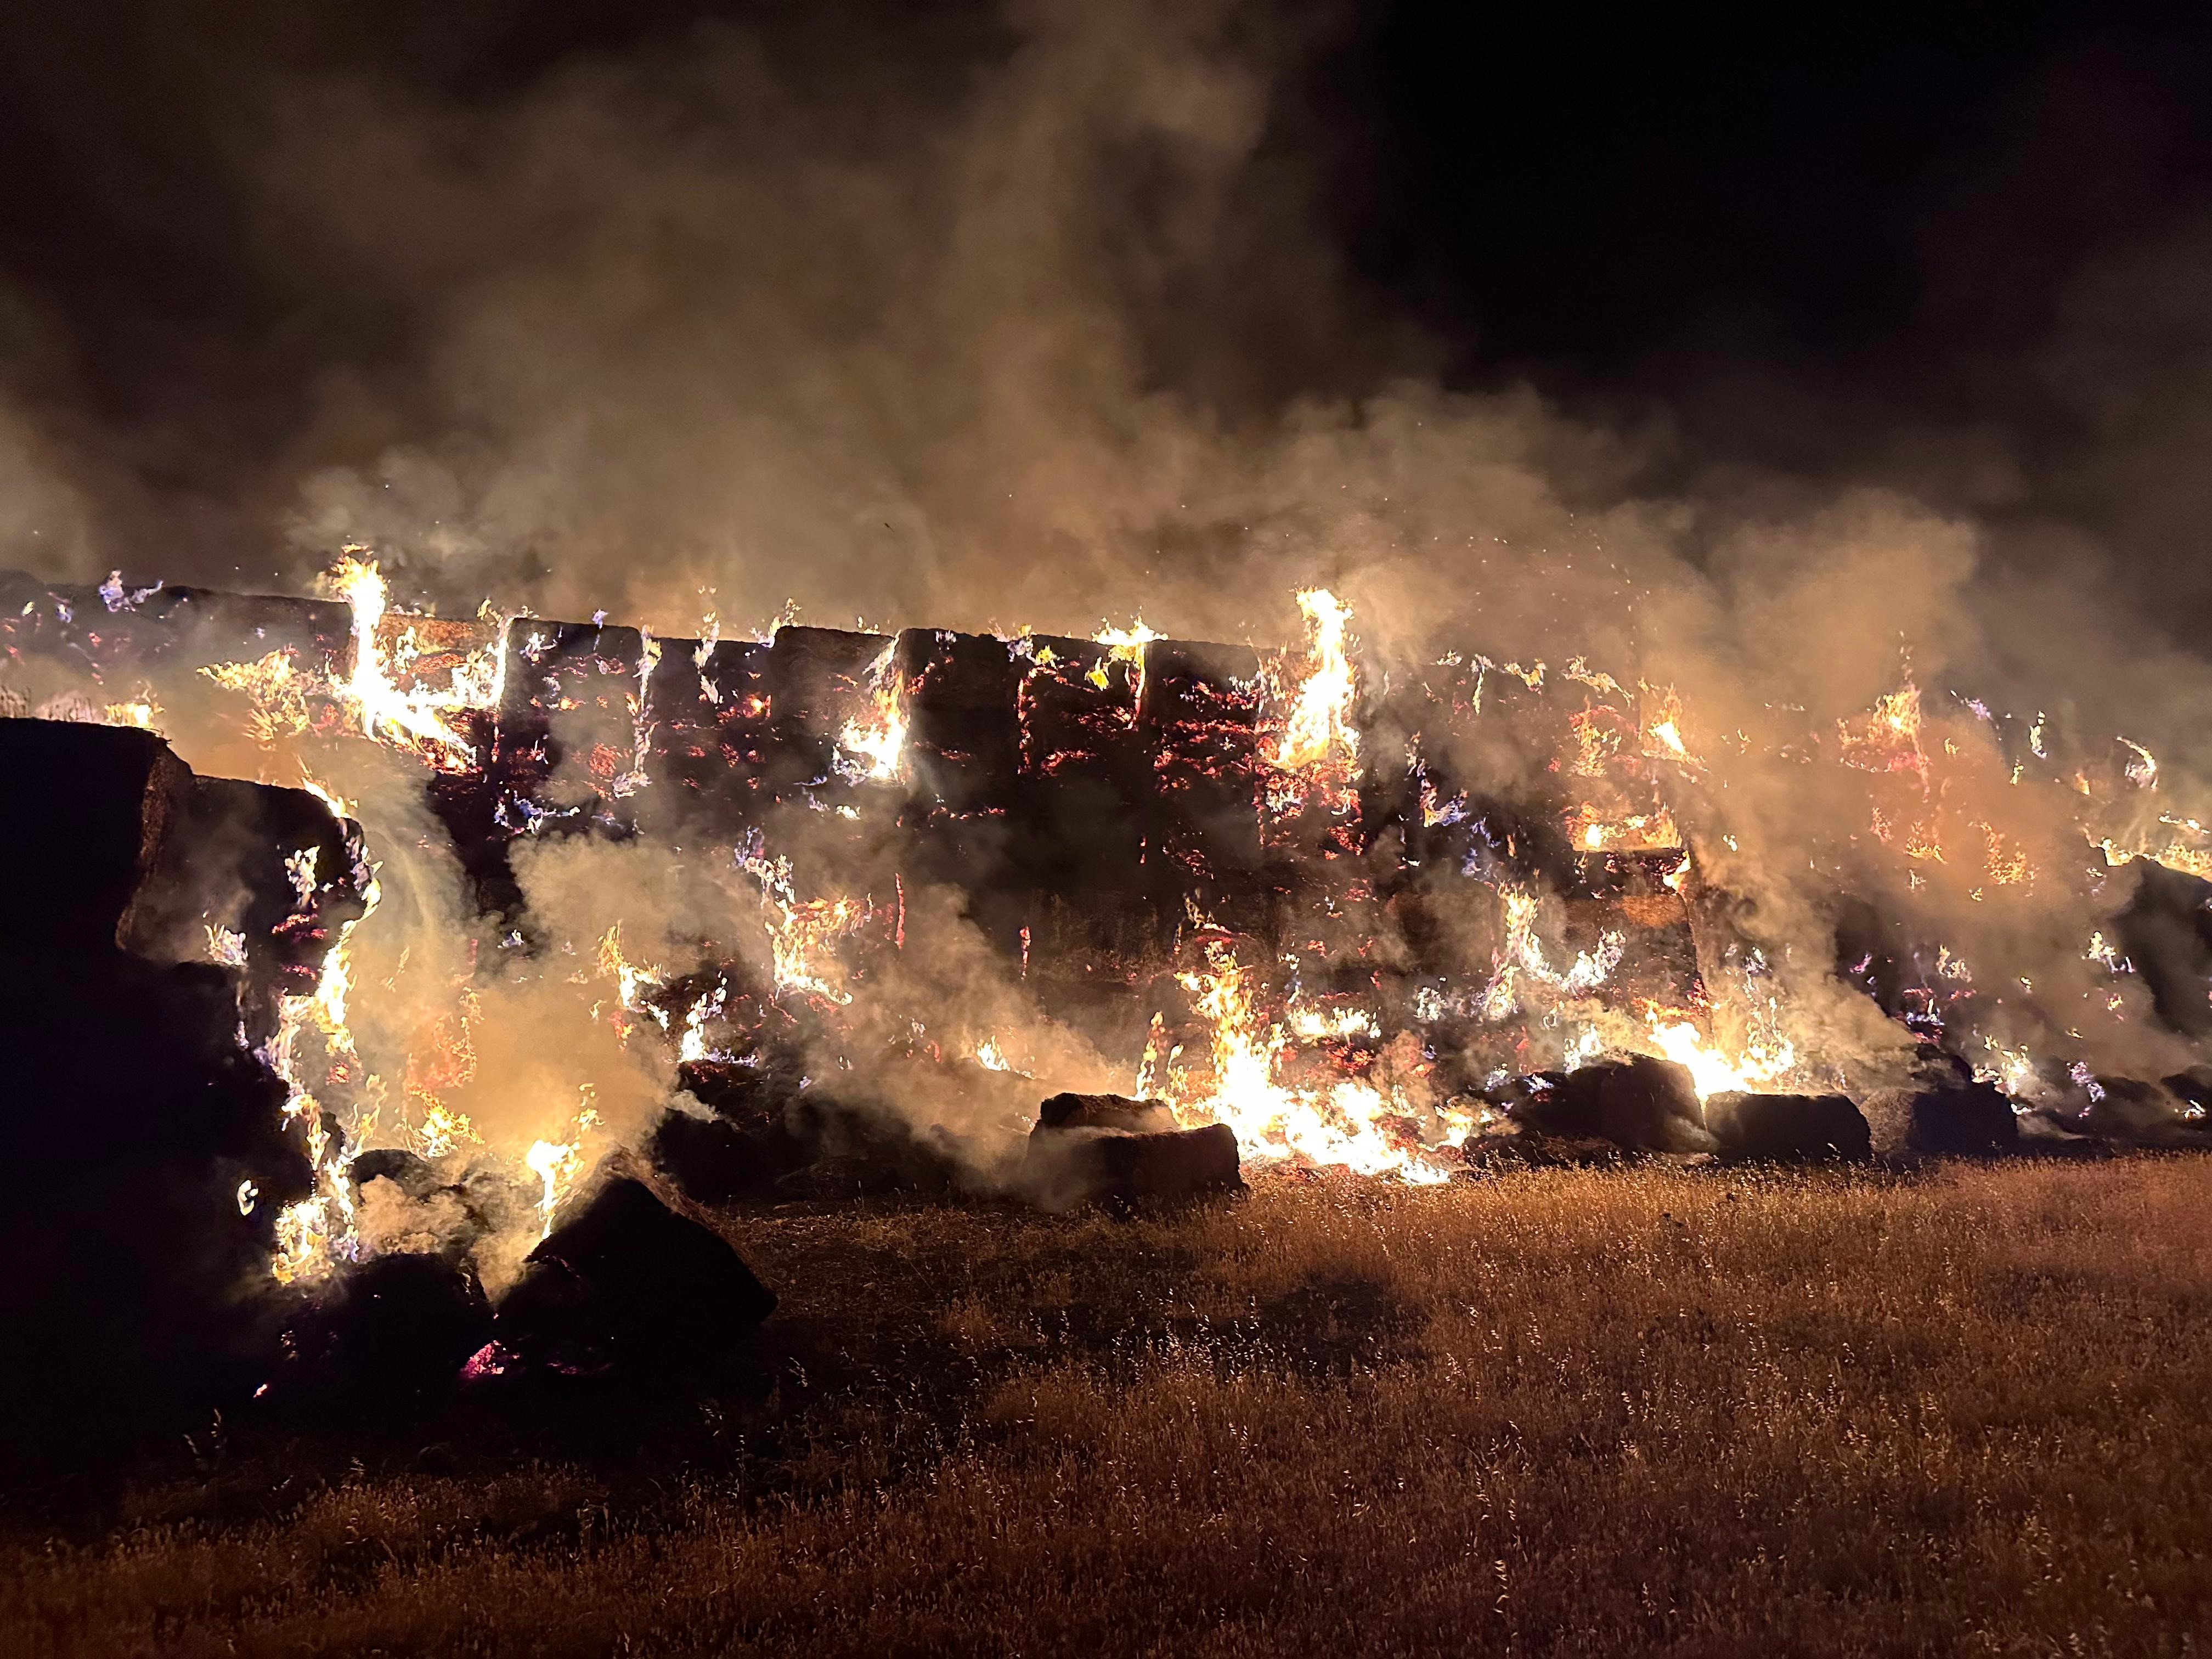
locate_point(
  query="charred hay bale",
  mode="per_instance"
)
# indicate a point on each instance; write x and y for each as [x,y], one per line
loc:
[1080,823]
[1067,1168]
[963,738]
[231,859]
[1788,1128]
[1074,1111]
[625,1273]
[1640,1103]
[2192,1087]
[863,1147]
[384,1334]
[710,747]
[566,729]
[1199,710]
[210,627]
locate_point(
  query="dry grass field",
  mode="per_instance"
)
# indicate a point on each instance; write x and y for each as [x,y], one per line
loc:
[1643,1412]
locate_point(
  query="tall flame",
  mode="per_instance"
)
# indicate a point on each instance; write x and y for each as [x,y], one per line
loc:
[1347,1121]
[870,749]
[416,717]
[1318,730]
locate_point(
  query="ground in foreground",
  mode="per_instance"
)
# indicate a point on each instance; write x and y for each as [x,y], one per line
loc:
[1642,1412]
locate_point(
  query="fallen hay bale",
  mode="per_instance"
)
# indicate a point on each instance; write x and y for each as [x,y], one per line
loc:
[1788,1128]
[625,1281]
[1068,1168]
[1954,1118]
[1639,1102]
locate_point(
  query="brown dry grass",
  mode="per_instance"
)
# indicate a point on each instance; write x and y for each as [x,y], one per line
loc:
[1643,1412]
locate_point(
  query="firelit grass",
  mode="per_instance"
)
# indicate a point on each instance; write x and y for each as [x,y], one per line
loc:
[1643,1412]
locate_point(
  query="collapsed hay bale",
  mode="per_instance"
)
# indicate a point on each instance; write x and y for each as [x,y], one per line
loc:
[385,1335]
[2138,1114]
[1788,1128]
[713,1159]
[625,1281]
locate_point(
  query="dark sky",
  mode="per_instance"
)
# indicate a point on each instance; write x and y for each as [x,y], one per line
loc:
[1819,239]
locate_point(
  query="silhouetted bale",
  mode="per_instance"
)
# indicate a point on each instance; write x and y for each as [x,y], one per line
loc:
[1074,1111]
[1945,1111]
[150,1242]
[2193,1086]
[1068,1168]
[1788,1128]
[386,1334]
[661,1288]
[1640,1103]
[550,1321]
[89,808]
[2050,1132]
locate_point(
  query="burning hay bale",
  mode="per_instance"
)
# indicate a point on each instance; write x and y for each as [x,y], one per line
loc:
[625,1281]
[1115,1112]
[1124,1154]
[2132,1112]
[1788,1128]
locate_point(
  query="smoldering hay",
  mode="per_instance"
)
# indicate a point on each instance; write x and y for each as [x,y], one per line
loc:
[1790,778]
